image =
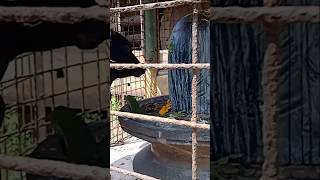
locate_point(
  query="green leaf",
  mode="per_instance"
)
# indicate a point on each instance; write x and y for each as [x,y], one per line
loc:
[134,105]
[115,104]
[171,48]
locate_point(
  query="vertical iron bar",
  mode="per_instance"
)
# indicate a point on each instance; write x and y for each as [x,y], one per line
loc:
[194,89]
[36,130]
[142,43]
[40,92]
[270,85]
[118,17]
[99,81]
[52,80]
[107,108]
[18,105]
[52,83]
[23,92]
[67,76]
[23,113]
[82,82]
[142,29]
[43,100]
[31,95]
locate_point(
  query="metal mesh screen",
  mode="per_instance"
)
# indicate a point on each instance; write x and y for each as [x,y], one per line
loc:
[34,83]
[131,25]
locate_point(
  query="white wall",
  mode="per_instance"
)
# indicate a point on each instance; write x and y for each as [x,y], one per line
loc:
[59,84]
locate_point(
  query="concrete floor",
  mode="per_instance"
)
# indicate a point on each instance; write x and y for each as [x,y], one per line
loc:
[122,157]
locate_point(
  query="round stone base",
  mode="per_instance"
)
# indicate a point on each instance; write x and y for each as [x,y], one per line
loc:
[146,162]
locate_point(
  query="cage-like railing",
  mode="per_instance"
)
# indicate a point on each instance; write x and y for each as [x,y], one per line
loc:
[33,85]
[37,82]
[129,25]
[195,77]
[268,14]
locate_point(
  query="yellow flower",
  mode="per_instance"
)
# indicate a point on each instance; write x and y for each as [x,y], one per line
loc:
[165,108]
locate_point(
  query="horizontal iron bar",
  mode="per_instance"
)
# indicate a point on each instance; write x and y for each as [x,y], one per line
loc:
[282,14]
[160,66]
[150,6]
[64,15]
[134,174]
[161,119]
[53,168]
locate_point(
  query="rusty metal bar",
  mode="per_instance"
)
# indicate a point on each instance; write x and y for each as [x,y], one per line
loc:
[194,90]
[61,15]
[283,14]
[32,92]
[18,104]
[23,92]
[270,86]
[143,117]
[53,168]
[42,101]
[141,13]
[129,173]
[150,6]
[83,105]
[161,66]
[99,82]
[52,79]
[36,99]
[66,76]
